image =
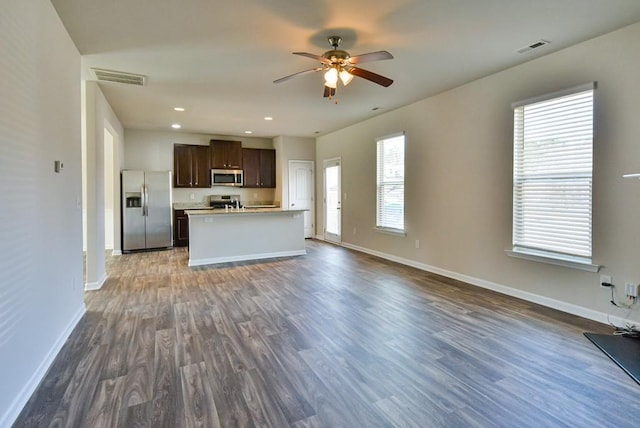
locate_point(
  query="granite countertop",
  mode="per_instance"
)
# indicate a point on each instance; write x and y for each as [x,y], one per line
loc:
[218,211]
[261,205]
[190,206]
[205,206]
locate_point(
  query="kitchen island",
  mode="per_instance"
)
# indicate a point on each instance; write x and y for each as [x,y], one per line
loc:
[221,236]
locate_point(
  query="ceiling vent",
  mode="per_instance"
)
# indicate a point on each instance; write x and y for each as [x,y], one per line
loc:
[532,46]
[119,77]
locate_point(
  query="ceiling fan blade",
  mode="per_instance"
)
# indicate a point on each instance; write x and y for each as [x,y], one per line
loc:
[371,56]
[314,56]
[371,76]
[329,92]
[300,73]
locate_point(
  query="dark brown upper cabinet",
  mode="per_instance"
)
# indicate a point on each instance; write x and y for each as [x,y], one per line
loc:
[259,167]
[191,166]
[226,154]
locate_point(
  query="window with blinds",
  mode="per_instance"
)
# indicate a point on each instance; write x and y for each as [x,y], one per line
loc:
[390,183]
[552,173]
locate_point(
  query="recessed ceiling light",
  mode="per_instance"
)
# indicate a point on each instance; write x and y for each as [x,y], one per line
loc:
[176,126]
[268,118]
[248,132]
[178,108]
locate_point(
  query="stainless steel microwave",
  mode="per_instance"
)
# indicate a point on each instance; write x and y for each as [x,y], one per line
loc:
[227,177]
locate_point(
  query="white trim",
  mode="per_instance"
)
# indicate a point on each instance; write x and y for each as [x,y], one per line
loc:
[319,237]
[328,163]
[553,259]
[502,289]
[568,91]
[28,389]
[116,253]
[394,135]
[240,258]
[312,210]
[89,286]
[337,161]
[390,231]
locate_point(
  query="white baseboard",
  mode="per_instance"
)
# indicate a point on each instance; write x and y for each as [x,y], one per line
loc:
[214,260]
[319,237]
[116,253]
[89,286]
[503,289]
[23,396]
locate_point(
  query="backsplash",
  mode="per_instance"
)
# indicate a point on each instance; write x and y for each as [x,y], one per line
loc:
[246,195]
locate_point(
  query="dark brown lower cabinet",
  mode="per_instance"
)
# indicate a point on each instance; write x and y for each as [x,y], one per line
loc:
[180,229]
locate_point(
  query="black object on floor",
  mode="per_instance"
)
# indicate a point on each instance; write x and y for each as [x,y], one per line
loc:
[623,350]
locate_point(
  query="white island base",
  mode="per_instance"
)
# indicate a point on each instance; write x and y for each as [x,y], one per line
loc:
[218,236]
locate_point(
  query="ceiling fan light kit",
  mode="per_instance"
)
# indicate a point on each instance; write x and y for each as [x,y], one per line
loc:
[346,77]
[331,77]
[339,64]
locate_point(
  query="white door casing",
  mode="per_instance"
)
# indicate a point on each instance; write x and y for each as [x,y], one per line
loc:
[332,200]
[301,192]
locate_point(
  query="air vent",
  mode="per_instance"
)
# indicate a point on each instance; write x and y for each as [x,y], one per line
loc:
[532,46]
[119,77]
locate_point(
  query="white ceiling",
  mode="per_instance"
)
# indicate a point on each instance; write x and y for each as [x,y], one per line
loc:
[218,59]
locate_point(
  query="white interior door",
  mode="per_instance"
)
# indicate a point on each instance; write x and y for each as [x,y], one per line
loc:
[301,191]
[332,201]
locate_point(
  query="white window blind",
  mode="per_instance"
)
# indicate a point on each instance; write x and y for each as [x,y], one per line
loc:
[390,183]
[552,173]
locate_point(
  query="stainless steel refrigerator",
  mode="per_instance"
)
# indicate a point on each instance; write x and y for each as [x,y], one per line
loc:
[146,210]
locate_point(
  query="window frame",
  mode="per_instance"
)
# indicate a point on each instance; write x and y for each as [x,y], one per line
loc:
[531,252]
[379,208]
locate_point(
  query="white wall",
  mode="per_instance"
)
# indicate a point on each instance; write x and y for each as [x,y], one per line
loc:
[290,148]
[153,151]
[110,187]
[40,220]
[459,170]
[98,115]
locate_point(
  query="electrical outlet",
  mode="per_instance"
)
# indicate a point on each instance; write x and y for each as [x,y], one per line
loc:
[355,231]
[417,243]
[606,279]
[631,289]
[192,196]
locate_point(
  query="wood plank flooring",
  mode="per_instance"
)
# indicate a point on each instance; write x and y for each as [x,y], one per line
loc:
[335,338]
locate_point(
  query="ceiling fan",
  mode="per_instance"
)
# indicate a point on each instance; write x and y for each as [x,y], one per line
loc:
[337,63]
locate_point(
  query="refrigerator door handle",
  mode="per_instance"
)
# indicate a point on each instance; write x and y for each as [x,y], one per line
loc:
[143,190]
[146,195]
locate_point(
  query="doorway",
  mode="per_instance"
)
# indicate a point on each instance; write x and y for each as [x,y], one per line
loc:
[332,201]
[301,192]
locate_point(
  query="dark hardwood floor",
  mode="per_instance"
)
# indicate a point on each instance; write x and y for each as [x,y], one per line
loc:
[335,338]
